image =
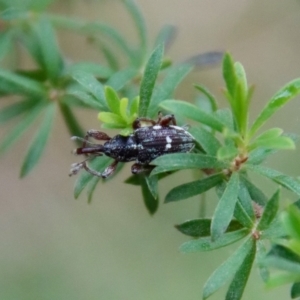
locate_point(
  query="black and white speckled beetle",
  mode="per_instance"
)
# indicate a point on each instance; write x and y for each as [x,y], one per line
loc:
[146,143]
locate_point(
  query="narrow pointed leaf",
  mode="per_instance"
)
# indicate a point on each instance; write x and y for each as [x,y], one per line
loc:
[288,92]
[152,183]
[192,112]
[193,188]
[206,244]
[229,74]
[9,112]
[179,161]
[39,142]
[85,99]
[166,89]
[295,290]
[20,84]
[260,261]
[149,78]
[93,29]
[210,97]
[284,180]
[246,201]
[283,258]
[227,152]
[72,124]
[5,43]
[166,36]
[92,68]
[280,142]
[201,227]
[270,133]
[120,78]
[51,57]
[91,85]
[150,202]
[255,193]
[21,127]
[238,284]
[241,215]
[270,211]
[257,156]
[228,269]
[91,188]
[112,99]
[208,142]
[111,118]
[140,25]
[225,208]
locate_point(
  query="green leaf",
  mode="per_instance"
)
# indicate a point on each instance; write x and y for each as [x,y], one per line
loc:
[51,57]
[70,120]
[20,84]
[91,85]
[227,152]
[152,183]
[91,188]
[282,258]
[112,99]
[192,112]
[288,92]
[238,284]
[229,74]
[270,211]
[255,193]
[260,260]
[270,133]
[246,201]
[193,188]
[150,202]
[179,161]
[291,221]
[201,227]
[91,68]
[99,163]
[93,29]
[5,43]
[140,25]
[295,290]
[280,142]
[207,141]
[166,36]
[206,244]
[111,118]
[225,208]
[148,81]
[120,78]
[14,110]
[228,269]
[165,90]
[21,127]
[284,180]
[39,142]
[210,97]
[84,98]
[241,215]
[257,156]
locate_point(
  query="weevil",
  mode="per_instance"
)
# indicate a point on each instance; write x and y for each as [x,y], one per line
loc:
[149,140]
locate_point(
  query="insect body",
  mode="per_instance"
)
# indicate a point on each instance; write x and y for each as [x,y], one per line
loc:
[142,146]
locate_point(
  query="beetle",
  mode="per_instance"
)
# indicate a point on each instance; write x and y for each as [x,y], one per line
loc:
[149,140]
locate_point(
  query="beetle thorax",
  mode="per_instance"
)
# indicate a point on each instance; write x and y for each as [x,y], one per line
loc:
[122,148]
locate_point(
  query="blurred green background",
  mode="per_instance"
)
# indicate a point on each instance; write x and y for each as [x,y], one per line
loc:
[55,247]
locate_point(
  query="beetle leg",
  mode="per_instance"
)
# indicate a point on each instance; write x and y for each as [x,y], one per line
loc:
[110,169]
[138,168]
[137,123]
[166,120]
[97,135]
